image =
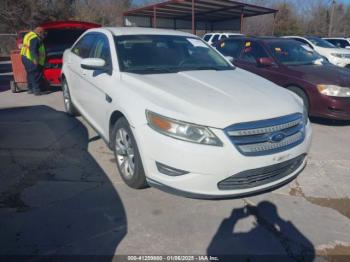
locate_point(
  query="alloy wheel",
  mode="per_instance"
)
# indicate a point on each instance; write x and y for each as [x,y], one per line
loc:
[125,153]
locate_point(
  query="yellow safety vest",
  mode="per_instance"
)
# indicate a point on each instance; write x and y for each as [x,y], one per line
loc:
[25,50]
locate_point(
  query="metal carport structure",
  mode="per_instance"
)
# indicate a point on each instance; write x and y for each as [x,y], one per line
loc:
[208,15]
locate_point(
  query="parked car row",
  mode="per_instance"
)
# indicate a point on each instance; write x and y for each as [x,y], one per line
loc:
[180,117]
[337,56]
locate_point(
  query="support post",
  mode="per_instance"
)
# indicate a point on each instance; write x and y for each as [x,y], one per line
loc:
[242,18]
[274,24]
[330,28]
[193,18]
[154,17]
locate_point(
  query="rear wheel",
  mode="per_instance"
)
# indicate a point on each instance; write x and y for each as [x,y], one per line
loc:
[302,95]
[68,105]
[127,155]
[14,87]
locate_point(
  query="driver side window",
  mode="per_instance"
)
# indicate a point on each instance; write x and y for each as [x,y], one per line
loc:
[101,49]
[84,46]
[252,52]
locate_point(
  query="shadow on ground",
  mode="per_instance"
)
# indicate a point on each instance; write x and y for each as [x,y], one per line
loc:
[54,197]
[271,239]
[5,83]
[329,122]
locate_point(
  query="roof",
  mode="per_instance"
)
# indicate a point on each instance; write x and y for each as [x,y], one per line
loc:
[205,10]
[141,31]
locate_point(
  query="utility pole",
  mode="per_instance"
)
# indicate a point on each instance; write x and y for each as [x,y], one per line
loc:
[330,28]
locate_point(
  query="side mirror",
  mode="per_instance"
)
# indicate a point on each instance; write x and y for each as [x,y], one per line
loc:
[230,58]
[93,64]
[265,62]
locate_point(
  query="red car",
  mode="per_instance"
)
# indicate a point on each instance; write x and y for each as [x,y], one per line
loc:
[324,88]
[60,36]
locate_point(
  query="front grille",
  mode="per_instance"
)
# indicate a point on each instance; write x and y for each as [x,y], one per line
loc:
[256,177]
[267,136]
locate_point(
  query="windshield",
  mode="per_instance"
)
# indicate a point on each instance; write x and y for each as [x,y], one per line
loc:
[294,53]
[320,42]
[146,54]
[58,40]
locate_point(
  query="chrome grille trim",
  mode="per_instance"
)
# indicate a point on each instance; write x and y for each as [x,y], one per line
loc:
[270,146]
[258,138]
[264,130]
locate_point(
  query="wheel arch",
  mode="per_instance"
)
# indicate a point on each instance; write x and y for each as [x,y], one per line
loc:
[115,116]
[294,86]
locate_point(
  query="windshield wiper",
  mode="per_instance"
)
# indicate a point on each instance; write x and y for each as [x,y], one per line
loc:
[150,69]
[216,68]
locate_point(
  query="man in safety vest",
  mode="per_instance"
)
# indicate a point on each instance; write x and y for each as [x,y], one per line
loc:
[33,58]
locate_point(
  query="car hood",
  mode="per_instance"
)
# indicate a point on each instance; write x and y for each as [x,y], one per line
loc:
[323,74]
[213,98]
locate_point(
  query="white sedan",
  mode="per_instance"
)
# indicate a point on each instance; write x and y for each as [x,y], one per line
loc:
[180,117]
[337,56]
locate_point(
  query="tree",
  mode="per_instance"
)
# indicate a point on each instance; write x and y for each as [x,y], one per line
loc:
[286,22]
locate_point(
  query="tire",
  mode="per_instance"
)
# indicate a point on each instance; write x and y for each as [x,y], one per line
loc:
[127,155]
[298,91]
[14,87]
[67,101]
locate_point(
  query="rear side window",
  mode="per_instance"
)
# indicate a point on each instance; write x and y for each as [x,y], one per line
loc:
[215,38]
[252,52]
[339,42]
[223,37]
[84,46]
[231,48]
[303,41]
[207,37]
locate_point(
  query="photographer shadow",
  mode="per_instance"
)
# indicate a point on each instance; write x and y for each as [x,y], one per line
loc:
[55,200]
[271,239]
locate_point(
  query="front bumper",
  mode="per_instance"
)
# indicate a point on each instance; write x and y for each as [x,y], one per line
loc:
[337,108]
[208,165]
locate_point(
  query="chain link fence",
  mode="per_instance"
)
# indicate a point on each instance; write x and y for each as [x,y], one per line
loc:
[7,43]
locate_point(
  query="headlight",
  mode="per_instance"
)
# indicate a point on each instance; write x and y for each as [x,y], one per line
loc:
[333,90]
[182,130]
[337,55]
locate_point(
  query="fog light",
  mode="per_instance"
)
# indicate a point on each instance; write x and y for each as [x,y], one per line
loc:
[170,171]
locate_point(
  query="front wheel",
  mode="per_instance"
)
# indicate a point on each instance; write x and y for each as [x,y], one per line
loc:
[127,155]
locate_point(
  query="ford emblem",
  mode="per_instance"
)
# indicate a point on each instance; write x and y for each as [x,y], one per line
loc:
[277,137]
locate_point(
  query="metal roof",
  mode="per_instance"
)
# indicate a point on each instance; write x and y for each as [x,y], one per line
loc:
[205,10]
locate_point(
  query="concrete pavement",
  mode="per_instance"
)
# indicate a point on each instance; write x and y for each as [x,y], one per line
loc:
[60,193]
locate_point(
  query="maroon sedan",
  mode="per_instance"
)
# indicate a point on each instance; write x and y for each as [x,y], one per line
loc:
[324,88]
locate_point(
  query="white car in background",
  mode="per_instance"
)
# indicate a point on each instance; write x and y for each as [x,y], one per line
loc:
[337,56]
[213,38]
[180,117]
[339,42]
